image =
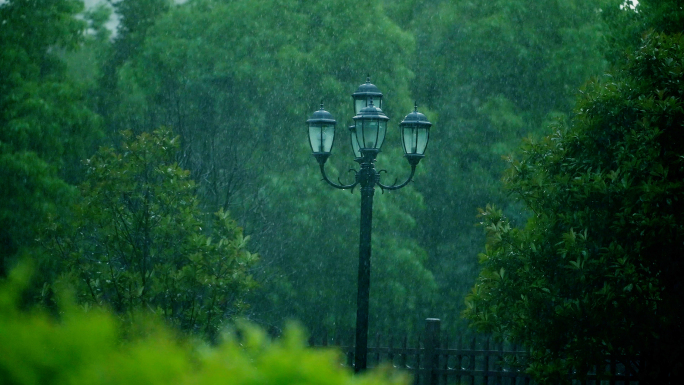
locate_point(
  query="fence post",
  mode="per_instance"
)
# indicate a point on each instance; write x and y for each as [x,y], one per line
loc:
[432,332]
[485,372]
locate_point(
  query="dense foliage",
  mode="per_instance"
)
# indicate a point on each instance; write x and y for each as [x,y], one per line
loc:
[494,72]
[597,269]
[45,127]
[235,80]
[136,240]
[87,348]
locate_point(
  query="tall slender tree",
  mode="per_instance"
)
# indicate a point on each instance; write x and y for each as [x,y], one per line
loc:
[45,127]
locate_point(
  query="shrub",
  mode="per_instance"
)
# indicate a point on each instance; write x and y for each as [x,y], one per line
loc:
[91,347]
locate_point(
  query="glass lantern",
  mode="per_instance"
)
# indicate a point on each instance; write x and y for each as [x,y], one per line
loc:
[321,132]
[371,127]
[415,133]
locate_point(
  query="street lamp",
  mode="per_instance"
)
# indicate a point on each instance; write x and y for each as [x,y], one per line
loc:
[367,136]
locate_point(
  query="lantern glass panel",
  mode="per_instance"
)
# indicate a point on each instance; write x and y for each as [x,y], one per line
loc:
[355,144]
[422,140]
[364,101]
[328,134]
[409,139]
[359,104]
[382,125]
[321,137]
[315,137]
[370,134]
[359,134]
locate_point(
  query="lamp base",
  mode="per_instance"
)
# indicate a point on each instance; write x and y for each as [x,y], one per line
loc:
[321,157]
[368,155]
[414,159]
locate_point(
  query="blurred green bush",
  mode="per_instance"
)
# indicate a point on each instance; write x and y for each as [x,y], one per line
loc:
[92,347]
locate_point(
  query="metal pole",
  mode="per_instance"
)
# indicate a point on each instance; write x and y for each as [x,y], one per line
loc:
[367,177]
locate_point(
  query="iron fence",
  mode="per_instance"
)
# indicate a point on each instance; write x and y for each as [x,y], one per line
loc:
[436,359]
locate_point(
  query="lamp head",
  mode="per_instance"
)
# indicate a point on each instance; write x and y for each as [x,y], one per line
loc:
[364,94]
[415,133]
[321,133]
[371,127]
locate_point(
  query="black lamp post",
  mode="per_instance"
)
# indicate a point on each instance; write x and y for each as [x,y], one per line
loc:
[367,136]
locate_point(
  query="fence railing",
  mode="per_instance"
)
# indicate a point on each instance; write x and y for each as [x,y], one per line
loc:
[437,360]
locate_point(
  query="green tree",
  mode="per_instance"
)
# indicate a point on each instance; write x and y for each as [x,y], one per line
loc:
[135,18]
[139,241]
[84,65]
[630,20]
[597,270]
[45,127]
[664,16]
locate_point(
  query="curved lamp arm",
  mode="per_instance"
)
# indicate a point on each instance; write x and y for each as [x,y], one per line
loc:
[396,186]
[340,186]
